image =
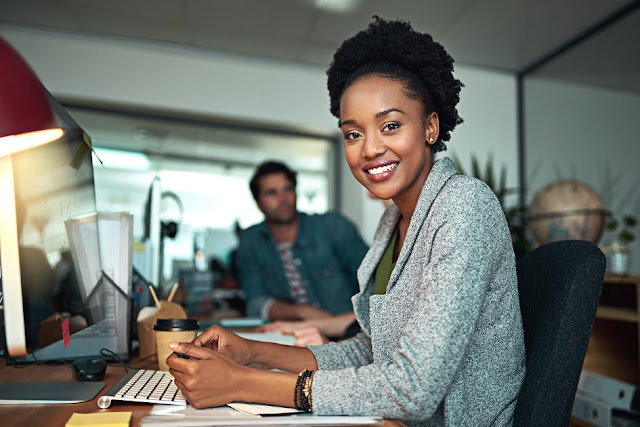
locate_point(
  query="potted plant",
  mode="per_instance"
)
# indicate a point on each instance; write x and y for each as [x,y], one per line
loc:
[617,251]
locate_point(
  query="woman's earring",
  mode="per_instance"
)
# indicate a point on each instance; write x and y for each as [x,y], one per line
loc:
[430,139]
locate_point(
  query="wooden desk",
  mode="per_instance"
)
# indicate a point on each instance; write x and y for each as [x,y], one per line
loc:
[58,415]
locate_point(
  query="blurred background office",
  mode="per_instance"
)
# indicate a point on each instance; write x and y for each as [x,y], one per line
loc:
[193,94]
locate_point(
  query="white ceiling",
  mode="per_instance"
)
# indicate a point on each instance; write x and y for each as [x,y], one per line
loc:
[507,35]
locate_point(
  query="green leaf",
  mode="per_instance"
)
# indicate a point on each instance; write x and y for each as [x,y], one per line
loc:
[629,220]
[612,224]
[458,164]
[503,179]
[475,168]
[489,174]
[627,236]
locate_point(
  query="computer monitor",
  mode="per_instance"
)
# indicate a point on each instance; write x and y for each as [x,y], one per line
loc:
[41,189]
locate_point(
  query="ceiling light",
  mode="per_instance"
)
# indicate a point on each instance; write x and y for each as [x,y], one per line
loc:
[337,6]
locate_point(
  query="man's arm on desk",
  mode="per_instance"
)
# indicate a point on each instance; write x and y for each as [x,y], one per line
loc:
[282,310]
[334,326]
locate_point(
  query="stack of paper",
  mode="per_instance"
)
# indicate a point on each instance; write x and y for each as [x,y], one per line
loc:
[244,414]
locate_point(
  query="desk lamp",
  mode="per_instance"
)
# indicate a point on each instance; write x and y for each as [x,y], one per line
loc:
[26,119]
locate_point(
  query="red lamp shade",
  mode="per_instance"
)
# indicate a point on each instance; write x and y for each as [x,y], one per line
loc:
[26,119]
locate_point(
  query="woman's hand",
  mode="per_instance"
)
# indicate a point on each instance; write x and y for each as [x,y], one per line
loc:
[208,378]
[226,343]
[283,326]
[249,353]
[309,336]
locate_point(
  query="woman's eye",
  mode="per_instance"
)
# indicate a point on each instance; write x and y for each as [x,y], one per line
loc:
[391,127]
[352,135]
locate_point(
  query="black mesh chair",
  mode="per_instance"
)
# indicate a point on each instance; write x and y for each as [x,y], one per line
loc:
[559,285]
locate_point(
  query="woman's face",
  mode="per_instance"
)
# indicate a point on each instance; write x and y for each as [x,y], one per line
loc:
[384,138]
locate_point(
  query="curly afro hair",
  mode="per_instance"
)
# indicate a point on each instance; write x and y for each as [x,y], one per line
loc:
[392,49]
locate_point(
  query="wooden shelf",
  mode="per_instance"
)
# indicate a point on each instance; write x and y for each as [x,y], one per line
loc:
[615,339]
[616,313]
[623,279]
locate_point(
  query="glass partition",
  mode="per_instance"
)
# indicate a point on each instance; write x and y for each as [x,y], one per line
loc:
[203,168]
[580,121]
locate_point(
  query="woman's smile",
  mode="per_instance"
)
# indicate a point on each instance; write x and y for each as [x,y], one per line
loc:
[380,171]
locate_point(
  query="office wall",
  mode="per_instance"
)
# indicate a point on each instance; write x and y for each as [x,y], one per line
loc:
[251,89]
[589,134]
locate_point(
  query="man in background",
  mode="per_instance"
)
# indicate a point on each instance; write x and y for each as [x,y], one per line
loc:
[293,265]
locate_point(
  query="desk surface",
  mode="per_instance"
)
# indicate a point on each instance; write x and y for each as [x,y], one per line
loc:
[57,415]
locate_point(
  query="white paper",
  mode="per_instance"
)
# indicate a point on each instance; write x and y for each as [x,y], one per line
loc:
[85,250]
[257,409]
[290,420]
[189,411]
[275,337]
[164,415]
[116,245]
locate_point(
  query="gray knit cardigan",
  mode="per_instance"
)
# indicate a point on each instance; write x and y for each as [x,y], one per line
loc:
[444,345]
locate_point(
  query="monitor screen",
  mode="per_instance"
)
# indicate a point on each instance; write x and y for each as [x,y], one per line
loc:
[43,189]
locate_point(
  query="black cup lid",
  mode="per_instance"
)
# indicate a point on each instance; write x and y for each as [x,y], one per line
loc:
[175,325]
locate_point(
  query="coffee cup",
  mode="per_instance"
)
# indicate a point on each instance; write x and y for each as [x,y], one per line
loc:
[172,330]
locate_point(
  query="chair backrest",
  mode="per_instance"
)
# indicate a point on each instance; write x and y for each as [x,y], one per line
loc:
[559,285]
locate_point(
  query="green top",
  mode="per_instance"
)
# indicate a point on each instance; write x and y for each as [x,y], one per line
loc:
[385,267]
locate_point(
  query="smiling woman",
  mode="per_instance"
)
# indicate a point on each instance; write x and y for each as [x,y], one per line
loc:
[438,290]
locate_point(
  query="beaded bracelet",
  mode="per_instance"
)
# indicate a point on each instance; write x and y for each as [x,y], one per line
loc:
[302,391]
[306,391]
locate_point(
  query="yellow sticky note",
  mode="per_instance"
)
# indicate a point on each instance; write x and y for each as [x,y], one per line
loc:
[100,419]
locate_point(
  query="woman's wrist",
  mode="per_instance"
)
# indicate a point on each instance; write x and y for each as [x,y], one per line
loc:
[267,387]
[243,389]
[261,354]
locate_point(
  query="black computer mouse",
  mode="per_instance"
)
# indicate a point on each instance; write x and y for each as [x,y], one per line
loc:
[89,369]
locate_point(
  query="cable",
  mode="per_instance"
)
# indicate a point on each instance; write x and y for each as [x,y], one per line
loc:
[110,355]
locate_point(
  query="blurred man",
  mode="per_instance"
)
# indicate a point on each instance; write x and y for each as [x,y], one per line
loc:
[294,265]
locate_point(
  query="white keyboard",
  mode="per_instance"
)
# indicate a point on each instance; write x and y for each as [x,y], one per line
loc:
[144,385]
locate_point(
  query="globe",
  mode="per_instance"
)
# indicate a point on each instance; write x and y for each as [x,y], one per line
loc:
[566,210]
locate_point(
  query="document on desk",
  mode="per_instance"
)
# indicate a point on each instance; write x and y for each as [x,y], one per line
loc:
[162,416]
[257,409]
[275,337]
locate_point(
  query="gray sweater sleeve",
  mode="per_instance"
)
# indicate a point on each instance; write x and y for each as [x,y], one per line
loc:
[468,244]
[352,352]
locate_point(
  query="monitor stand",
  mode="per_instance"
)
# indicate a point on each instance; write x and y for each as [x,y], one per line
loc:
[36,393]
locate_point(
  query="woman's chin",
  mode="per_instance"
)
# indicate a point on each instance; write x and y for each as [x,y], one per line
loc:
[382,195]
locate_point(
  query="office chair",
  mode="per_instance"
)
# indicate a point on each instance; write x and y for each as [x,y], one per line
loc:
[559,285]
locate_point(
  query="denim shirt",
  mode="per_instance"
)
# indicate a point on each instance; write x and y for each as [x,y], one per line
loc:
[327,252]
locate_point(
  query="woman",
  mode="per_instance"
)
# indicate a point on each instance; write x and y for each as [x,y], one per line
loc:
[441,339]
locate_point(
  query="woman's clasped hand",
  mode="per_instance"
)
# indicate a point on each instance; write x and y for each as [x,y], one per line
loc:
[216,359]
